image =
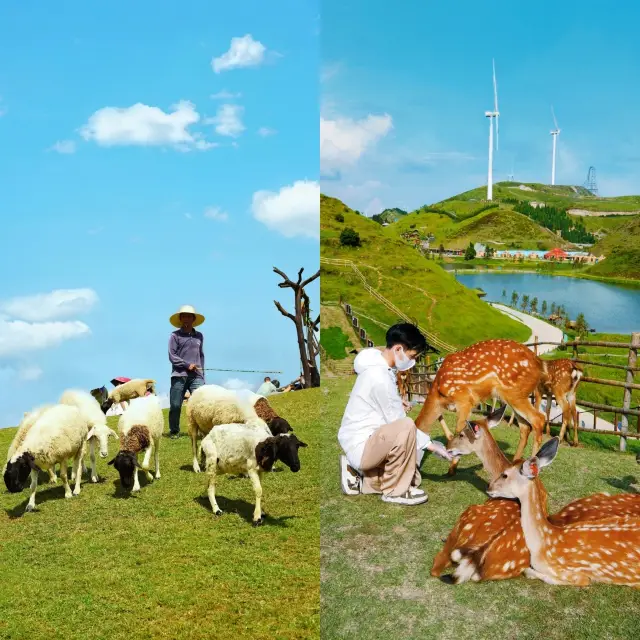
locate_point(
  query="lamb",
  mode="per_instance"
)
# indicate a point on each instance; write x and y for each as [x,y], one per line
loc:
[140,428]
[60,433]
[247,448]
[212,405]
[28,421]
[90,409]
[136,388]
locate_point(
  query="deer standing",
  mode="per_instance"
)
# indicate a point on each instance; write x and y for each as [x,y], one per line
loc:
[487,541]
[492,368]
[607,550]
[561,380]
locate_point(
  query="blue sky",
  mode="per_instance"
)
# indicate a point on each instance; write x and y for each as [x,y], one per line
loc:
[404,94]
[153,155]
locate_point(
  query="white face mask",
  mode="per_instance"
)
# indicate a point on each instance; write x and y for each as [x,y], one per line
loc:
[402,362]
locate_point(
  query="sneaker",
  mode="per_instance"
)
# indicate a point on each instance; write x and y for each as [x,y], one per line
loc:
[415,492]
[406,499]
[174,436]
[349,479]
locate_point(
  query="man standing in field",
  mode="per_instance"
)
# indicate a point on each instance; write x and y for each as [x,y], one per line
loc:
[383,448]
[187,361]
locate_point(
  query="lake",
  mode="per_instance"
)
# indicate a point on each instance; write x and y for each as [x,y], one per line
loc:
[607,308]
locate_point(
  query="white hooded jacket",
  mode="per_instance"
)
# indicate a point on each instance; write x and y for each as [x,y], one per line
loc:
[374,401]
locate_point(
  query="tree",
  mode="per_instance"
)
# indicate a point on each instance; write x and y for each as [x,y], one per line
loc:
[581,324]
[504,293]
[544,307]
[470,252]
[525,302]
[441,249]
[534,305]
[514,299]
[339,217]
[350,238]
[553,308]
[308,345]
[489,252]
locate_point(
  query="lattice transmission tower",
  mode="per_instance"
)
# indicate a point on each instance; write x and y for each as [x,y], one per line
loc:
[590,182]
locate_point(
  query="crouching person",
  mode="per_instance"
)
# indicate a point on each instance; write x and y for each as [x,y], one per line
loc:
[383,448]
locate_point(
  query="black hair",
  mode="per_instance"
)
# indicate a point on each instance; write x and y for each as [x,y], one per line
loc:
[408,336]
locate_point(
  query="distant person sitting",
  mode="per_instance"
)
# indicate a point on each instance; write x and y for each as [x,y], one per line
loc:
[266,388]
[383,448]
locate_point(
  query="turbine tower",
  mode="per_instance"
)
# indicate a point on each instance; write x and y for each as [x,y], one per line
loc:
[491,115]
[554,134]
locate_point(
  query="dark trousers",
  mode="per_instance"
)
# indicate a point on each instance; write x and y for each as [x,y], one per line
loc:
[179,386]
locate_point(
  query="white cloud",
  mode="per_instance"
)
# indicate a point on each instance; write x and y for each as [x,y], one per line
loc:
[225,95]
[243,52]
[293,211]
[18,337]
[216,213]
[29,373]
[266,131]
[60,303]
[343,140]
[236,384]
[64,146]
[375,206]
[228,120]
[143,125]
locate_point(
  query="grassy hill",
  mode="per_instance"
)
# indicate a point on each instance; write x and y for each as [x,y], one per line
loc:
[158,564]
[389,215]
[420,287]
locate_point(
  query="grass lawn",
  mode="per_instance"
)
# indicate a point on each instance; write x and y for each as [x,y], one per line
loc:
[159,564]
[376,557]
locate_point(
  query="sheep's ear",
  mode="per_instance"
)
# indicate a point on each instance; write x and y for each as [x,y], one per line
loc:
[113,434]
[32,463]
[92,432]
[111,461]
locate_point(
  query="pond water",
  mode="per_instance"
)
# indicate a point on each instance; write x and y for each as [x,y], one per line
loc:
[607,308]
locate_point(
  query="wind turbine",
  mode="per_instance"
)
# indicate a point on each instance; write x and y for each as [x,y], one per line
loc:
[554,134]
[491,115]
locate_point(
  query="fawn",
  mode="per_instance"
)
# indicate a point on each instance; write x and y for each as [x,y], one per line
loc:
[607,550]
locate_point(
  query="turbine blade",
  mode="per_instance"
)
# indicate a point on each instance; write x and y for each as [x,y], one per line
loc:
[497,133]
[495,86]
[555,122]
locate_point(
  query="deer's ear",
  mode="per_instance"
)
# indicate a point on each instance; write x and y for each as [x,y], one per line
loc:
[475,428]
[548,451]
[495,417]
[530,468]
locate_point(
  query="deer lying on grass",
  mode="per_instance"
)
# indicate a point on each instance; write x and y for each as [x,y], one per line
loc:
[492,368]
[561,380]
[607,550]
[487,541]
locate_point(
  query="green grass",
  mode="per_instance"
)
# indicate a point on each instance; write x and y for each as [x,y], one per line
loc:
[159,564]
[335,342]
[376,557]
[420,287]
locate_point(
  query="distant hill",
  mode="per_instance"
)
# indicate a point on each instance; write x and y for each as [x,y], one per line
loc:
[389,216]
[418,286]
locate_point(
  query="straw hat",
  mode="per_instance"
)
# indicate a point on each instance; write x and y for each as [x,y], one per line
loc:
[186,308]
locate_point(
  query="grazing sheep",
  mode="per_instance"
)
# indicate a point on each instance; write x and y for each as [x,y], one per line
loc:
[90,409]
[247,448]
[264,410]
[136,388]
[60,433]
[28,421]
[140,428]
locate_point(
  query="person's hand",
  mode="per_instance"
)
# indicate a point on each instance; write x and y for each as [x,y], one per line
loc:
[441,451]
[192,367]
[407,406]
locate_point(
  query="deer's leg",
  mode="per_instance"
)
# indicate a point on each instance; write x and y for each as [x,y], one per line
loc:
[430,412]
[535,419]
[566,414]
[463,409]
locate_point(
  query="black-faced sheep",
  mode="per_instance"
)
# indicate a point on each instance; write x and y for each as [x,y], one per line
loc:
[247,448]
[136,388]
[140,428]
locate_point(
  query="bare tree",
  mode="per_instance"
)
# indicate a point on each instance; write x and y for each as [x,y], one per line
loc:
[305,327]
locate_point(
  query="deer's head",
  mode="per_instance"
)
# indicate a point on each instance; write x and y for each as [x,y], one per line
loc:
[470,439]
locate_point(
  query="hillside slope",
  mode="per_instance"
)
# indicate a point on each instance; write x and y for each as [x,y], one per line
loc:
[420,287]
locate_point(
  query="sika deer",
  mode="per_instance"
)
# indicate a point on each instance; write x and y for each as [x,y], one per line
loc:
[574,554]
[492,368]
[561,380]
[487,540]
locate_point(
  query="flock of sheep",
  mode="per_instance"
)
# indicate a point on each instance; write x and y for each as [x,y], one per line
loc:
[241,434]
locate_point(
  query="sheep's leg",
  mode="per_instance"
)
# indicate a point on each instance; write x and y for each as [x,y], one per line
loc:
[211,490]
[146,460]
[52,474]
[156,455]
[194,447]
[77,464]
[254,476]
[136,480]
[31,505]
[64,471]
[92,454]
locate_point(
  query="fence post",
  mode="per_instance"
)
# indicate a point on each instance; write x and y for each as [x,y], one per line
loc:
[535,344]
[575,348]
[626,402]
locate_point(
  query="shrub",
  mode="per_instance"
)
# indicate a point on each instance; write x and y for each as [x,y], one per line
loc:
[350,238]
[339,217]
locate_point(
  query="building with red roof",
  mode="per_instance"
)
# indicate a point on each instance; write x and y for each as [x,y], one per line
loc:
[556,254]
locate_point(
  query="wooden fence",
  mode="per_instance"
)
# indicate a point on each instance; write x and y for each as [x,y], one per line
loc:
[416,383]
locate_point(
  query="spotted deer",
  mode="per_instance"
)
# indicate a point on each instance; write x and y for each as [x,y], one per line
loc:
[487,541]
[606,550]
[561,380]
[403,379]
[492,368]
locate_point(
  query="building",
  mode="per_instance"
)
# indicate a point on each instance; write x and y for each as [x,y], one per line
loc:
[480,249]
[556,254]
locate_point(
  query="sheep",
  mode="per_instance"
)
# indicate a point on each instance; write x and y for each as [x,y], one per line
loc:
[247,448]
[60,433]
[136,388]
[263,409]
[140,428]
[211,405]
[90,408]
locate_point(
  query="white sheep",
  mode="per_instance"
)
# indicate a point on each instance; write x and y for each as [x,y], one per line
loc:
[136,388]
[211,405]
[140,428]
[28,421]
[90,409]
[59,434]
[247,448]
